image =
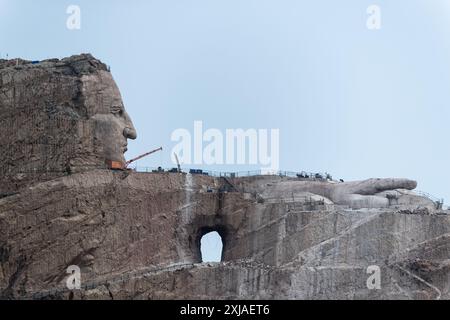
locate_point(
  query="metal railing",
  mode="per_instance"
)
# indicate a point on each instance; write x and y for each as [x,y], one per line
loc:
[438,201]
[239,174]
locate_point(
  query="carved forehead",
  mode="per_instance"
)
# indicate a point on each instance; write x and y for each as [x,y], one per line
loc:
[100,92]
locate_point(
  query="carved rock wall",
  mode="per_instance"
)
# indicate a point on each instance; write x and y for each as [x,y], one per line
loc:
[46,124]
[137,235]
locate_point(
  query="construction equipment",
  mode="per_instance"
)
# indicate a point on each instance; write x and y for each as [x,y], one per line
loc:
[178,162]
[141,156]
[117,165]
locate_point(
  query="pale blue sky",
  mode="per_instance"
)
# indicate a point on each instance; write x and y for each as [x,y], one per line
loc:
[211,247]
[347,100]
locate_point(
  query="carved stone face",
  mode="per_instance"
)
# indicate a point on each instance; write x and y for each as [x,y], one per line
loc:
[112,125]
[58,117]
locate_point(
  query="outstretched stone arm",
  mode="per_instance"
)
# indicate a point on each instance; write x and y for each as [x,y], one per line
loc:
[355,194]
[365,194]
[374,186]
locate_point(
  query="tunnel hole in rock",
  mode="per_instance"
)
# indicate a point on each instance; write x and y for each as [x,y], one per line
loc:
[211,247]
[211,244]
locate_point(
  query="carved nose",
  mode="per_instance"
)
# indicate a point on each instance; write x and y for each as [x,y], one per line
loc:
[129,133]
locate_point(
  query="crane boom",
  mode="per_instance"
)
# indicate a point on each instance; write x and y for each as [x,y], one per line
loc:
[178,162]
[141,156]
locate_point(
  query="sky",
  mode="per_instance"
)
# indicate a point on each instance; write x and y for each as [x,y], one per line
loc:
[211,246]
[354,102]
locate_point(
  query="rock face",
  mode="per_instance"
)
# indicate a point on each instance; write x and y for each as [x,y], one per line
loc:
[137,235]
[58,117]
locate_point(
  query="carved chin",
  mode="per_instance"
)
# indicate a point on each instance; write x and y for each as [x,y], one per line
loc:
[115,155]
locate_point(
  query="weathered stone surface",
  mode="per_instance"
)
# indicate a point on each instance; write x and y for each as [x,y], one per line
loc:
[57,117]
[137,235]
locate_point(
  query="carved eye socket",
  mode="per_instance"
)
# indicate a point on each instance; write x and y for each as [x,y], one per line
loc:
[117,110]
